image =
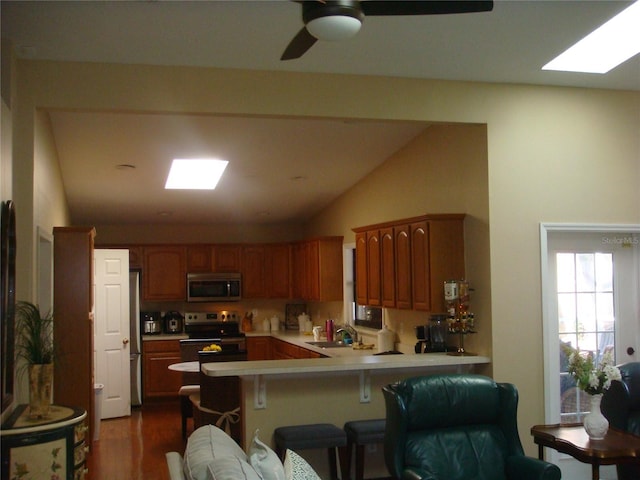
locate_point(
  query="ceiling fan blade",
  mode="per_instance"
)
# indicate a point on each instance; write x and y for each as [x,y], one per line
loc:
[436,7]
[302,42]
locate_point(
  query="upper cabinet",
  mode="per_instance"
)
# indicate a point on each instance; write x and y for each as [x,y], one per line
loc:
[309,270]
[278,270]
[164,273]
[199,258]
[317,269]
[406,262]
[227,258]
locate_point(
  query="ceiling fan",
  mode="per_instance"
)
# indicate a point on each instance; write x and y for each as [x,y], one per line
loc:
[341,19]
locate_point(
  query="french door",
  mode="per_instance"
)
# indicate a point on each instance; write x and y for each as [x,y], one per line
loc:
[590,302]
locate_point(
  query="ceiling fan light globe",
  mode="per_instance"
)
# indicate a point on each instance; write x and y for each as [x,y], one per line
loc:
[334,27]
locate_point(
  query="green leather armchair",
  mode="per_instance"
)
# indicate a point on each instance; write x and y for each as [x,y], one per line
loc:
[621,405]
[456,427]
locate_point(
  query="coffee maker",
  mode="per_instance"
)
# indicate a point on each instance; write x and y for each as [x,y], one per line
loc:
[433,336]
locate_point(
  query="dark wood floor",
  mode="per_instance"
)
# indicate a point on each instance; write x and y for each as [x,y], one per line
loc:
[133,448]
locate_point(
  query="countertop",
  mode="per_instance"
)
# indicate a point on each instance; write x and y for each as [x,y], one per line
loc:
[340,364]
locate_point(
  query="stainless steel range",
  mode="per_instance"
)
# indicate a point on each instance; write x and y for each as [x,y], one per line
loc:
[206,328]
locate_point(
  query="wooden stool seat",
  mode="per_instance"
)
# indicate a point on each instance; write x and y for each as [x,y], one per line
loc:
[186,407]
[361,433]
[317,435]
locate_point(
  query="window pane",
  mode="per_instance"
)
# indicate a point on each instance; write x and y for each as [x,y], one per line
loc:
[585,272]
[588,342]
[565,272]
[566,312]
[604,306]
[604,272]
[586,307]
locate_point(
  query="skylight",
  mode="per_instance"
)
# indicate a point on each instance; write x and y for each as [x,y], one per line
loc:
[605,48]
[195,173]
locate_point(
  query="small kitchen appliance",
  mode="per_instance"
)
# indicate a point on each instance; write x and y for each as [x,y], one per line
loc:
[151,323]
[173,322]
[214,287]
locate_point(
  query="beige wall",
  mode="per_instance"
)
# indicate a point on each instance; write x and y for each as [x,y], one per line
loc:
[443,170]
[554,154]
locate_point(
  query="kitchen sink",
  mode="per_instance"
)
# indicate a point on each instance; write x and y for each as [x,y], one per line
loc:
[326,344]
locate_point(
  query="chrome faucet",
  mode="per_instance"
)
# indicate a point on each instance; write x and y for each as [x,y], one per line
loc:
[349,331]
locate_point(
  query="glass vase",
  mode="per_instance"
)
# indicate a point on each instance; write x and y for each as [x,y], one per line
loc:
[595,423]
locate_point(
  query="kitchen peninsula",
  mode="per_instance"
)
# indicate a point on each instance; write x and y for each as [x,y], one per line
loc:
[345,385]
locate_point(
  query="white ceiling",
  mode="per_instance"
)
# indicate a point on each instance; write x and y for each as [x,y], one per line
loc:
[509,44]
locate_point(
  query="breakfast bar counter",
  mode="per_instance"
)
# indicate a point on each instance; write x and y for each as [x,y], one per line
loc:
[344,386]
[341,364]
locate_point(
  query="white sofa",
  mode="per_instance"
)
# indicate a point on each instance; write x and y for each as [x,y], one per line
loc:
[211,454]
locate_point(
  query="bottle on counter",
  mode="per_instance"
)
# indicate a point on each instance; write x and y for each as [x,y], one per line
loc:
[329,326]
[386,340]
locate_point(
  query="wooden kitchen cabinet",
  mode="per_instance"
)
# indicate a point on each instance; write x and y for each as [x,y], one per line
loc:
[437,249]
[199,258]
[164,274]
[158,382]
[387,267]
[317,267]
[281,350]
[413,259]
[259,348]
[374,271]
[73,381]
[402,264]
[278,270]
[254,282]
[361,268]
[227,258]
[266,271]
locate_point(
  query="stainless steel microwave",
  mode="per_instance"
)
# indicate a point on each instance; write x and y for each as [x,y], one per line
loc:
[213,287]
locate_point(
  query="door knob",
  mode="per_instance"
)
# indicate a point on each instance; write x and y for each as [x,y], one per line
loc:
[630,351]
[125,341]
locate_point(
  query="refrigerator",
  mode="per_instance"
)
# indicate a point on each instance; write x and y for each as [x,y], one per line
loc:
[135,340]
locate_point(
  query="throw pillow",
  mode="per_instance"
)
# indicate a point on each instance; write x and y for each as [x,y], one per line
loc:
[205,444]
[264,460]
[230,468]
[297,468]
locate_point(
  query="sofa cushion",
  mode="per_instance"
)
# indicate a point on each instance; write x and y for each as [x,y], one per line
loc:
[204,445]
[264,460]
[297,468]
[230,468]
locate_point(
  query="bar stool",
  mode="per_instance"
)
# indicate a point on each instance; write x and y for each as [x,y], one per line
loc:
[186,407]
[361,433]
[317,435]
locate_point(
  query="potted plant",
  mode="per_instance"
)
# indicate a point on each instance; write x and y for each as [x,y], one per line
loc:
[34,345]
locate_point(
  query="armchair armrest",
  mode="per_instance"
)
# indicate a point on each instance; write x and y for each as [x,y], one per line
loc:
[528,468]
[174,464]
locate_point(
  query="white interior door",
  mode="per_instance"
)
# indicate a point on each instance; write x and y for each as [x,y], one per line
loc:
[112,342]
[591,300]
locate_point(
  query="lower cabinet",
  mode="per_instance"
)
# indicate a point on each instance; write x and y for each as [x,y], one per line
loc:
[157,380]
[45,448]
[281,350]
[259,348]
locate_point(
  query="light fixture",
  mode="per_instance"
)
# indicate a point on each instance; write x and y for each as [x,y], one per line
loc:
[334,27]
[195,173]
[605,48]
